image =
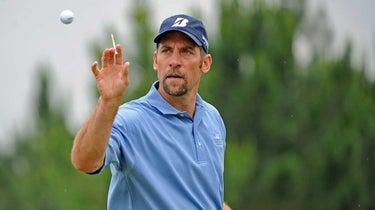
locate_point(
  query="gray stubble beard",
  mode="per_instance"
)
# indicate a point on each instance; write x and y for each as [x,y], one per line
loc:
[180,92]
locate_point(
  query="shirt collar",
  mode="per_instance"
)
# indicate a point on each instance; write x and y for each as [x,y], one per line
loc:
[154,98]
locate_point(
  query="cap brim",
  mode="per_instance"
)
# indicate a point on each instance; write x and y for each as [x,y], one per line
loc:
[191,36]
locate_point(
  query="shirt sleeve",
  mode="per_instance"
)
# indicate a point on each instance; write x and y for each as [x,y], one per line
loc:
[113,153]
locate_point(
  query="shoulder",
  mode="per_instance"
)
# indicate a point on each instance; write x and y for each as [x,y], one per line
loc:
[132,112]
[212,113]
[209,106]
[211,109]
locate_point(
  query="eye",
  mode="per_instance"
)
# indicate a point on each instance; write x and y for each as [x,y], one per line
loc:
[186,51]
[165,50]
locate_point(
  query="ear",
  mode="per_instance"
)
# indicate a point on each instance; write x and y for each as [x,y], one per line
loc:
[155,64]
[206,65]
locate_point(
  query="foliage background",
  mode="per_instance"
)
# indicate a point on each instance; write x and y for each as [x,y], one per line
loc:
[298,136]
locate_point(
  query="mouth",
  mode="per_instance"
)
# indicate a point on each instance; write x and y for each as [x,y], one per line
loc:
[174,76]
[177,77]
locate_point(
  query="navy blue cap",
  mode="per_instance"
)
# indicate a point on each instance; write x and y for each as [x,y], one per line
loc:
[186,24]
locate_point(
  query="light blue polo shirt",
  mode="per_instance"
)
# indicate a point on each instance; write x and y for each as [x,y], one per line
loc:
[161,158]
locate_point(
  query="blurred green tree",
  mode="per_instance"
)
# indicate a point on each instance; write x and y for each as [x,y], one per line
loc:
[308,132]
[39,175]
[298,137]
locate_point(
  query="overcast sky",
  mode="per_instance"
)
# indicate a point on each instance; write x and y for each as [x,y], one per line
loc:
[31,33]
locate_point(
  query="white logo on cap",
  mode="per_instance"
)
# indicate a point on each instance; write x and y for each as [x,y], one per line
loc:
[205,42]
[180,22]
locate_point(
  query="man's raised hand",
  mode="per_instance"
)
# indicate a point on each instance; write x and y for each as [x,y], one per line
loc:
[113,79]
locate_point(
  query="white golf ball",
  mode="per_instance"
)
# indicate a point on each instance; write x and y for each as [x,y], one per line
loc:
[67,16]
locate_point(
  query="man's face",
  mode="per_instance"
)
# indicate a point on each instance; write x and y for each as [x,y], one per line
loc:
[179,63]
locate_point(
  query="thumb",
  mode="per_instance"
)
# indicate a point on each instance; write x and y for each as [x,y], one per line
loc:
[94,68]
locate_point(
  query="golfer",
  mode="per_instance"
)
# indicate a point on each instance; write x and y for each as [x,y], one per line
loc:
[166,149]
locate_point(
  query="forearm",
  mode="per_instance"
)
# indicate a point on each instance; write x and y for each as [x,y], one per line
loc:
[92,139]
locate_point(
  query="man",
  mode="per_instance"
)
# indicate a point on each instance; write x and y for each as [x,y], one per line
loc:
[166,149]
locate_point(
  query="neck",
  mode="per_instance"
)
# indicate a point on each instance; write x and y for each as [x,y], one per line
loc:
[181,103]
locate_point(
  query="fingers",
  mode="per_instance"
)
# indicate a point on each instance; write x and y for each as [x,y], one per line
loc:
[94,68]
[119,54]
[125,73]
[96,71]
[108,57]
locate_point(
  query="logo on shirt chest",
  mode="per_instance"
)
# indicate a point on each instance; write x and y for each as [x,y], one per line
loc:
[218,140]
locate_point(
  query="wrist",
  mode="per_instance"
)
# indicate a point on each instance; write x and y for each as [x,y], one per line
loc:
[109,106]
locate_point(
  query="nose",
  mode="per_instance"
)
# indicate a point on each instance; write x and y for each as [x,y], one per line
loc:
[175,60]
